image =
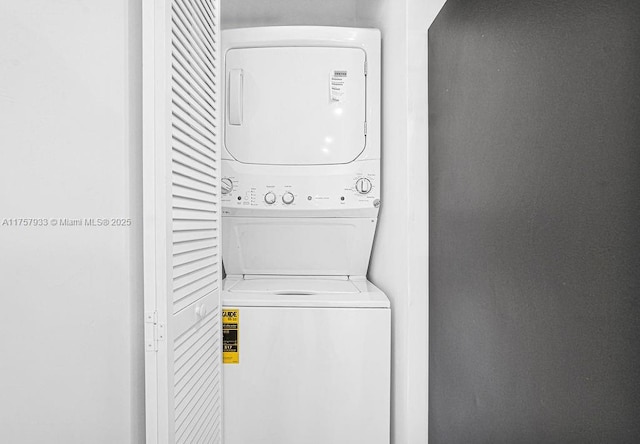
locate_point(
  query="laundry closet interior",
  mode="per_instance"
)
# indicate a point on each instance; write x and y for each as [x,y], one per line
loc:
[304,187]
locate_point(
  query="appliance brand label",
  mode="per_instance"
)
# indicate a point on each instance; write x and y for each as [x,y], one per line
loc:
[230,335]
[337,85]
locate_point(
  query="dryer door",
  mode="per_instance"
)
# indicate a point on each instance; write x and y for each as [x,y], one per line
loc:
[295,105]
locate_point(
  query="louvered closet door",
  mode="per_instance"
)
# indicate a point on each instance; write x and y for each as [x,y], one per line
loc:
[182,221]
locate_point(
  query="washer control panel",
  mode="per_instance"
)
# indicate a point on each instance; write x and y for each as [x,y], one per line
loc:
[363,185]
[320,188]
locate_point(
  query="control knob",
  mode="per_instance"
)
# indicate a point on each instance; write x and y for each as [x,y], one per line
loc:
[227,185]
[288,198]
[270,198]
[363,185]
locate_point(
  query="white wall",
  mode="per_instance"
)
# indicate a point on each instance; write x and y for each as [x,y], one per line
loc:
[389,268]
[420,15]
[399,262]
[70,325]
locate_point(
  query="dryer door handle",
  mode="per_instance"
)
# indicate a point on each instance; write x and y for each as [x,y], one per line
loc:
[235,96]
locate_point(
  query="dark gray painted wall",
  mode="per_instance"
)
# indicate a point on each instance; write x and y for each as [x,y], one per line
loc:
[534,222]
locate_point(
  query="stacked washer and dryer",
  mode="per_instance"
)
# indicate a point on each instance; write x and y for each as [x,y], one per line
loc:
[301,193]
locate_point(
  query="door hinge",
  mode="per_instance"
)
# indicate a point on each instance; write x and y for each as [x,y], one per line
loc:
[366,68]
[153,331]
[365,128]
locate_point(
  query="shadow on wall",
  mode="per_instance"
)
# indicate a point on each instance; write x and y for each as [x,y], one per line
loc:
[349,13]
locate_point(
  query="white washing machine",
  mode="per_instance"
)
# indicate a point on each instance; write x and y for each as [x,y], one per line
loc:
[306,336]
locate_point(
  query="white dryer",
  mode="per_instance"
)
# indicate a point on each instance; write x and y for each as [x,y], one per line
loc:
[307,337]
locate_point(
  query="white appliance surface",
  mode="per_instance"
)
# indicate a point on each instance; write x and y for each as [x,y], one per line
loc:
[277,85]
[301,159]
[297,246]
[301,195]
[302,291]
[307,375]
[297,95]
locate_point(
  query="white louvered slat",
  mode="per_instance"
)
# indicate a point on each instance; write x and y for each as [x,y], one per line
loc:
[191,293]
[190,267]
[189,32]
[183,236]
[194,159]
[191,72]
[186,225]
[188,169]
[194,215]
[194,204]
[185,281]
[182,221]
[180,191]
[193,108]
[190,97]
[186,181]
[196,244]
[187,116]
[181,124]
[202,157]
[183,79]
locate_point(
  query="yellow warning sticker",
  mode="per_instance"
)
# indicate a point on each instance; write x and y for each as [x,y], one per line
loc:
[230,335]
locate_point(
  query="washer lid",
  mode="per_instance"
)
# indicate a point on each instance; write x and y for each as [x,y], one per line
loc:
[297,246]
[320,292]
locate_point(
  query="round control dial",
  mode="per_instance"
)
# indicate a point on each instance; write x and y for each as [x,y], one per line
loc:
[270,198]
[227,185]
[363,185]
[288,198]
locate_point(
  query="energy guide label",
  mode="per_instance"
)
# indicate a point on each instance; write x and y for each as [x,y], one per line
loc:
[337,85]
[230,336]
